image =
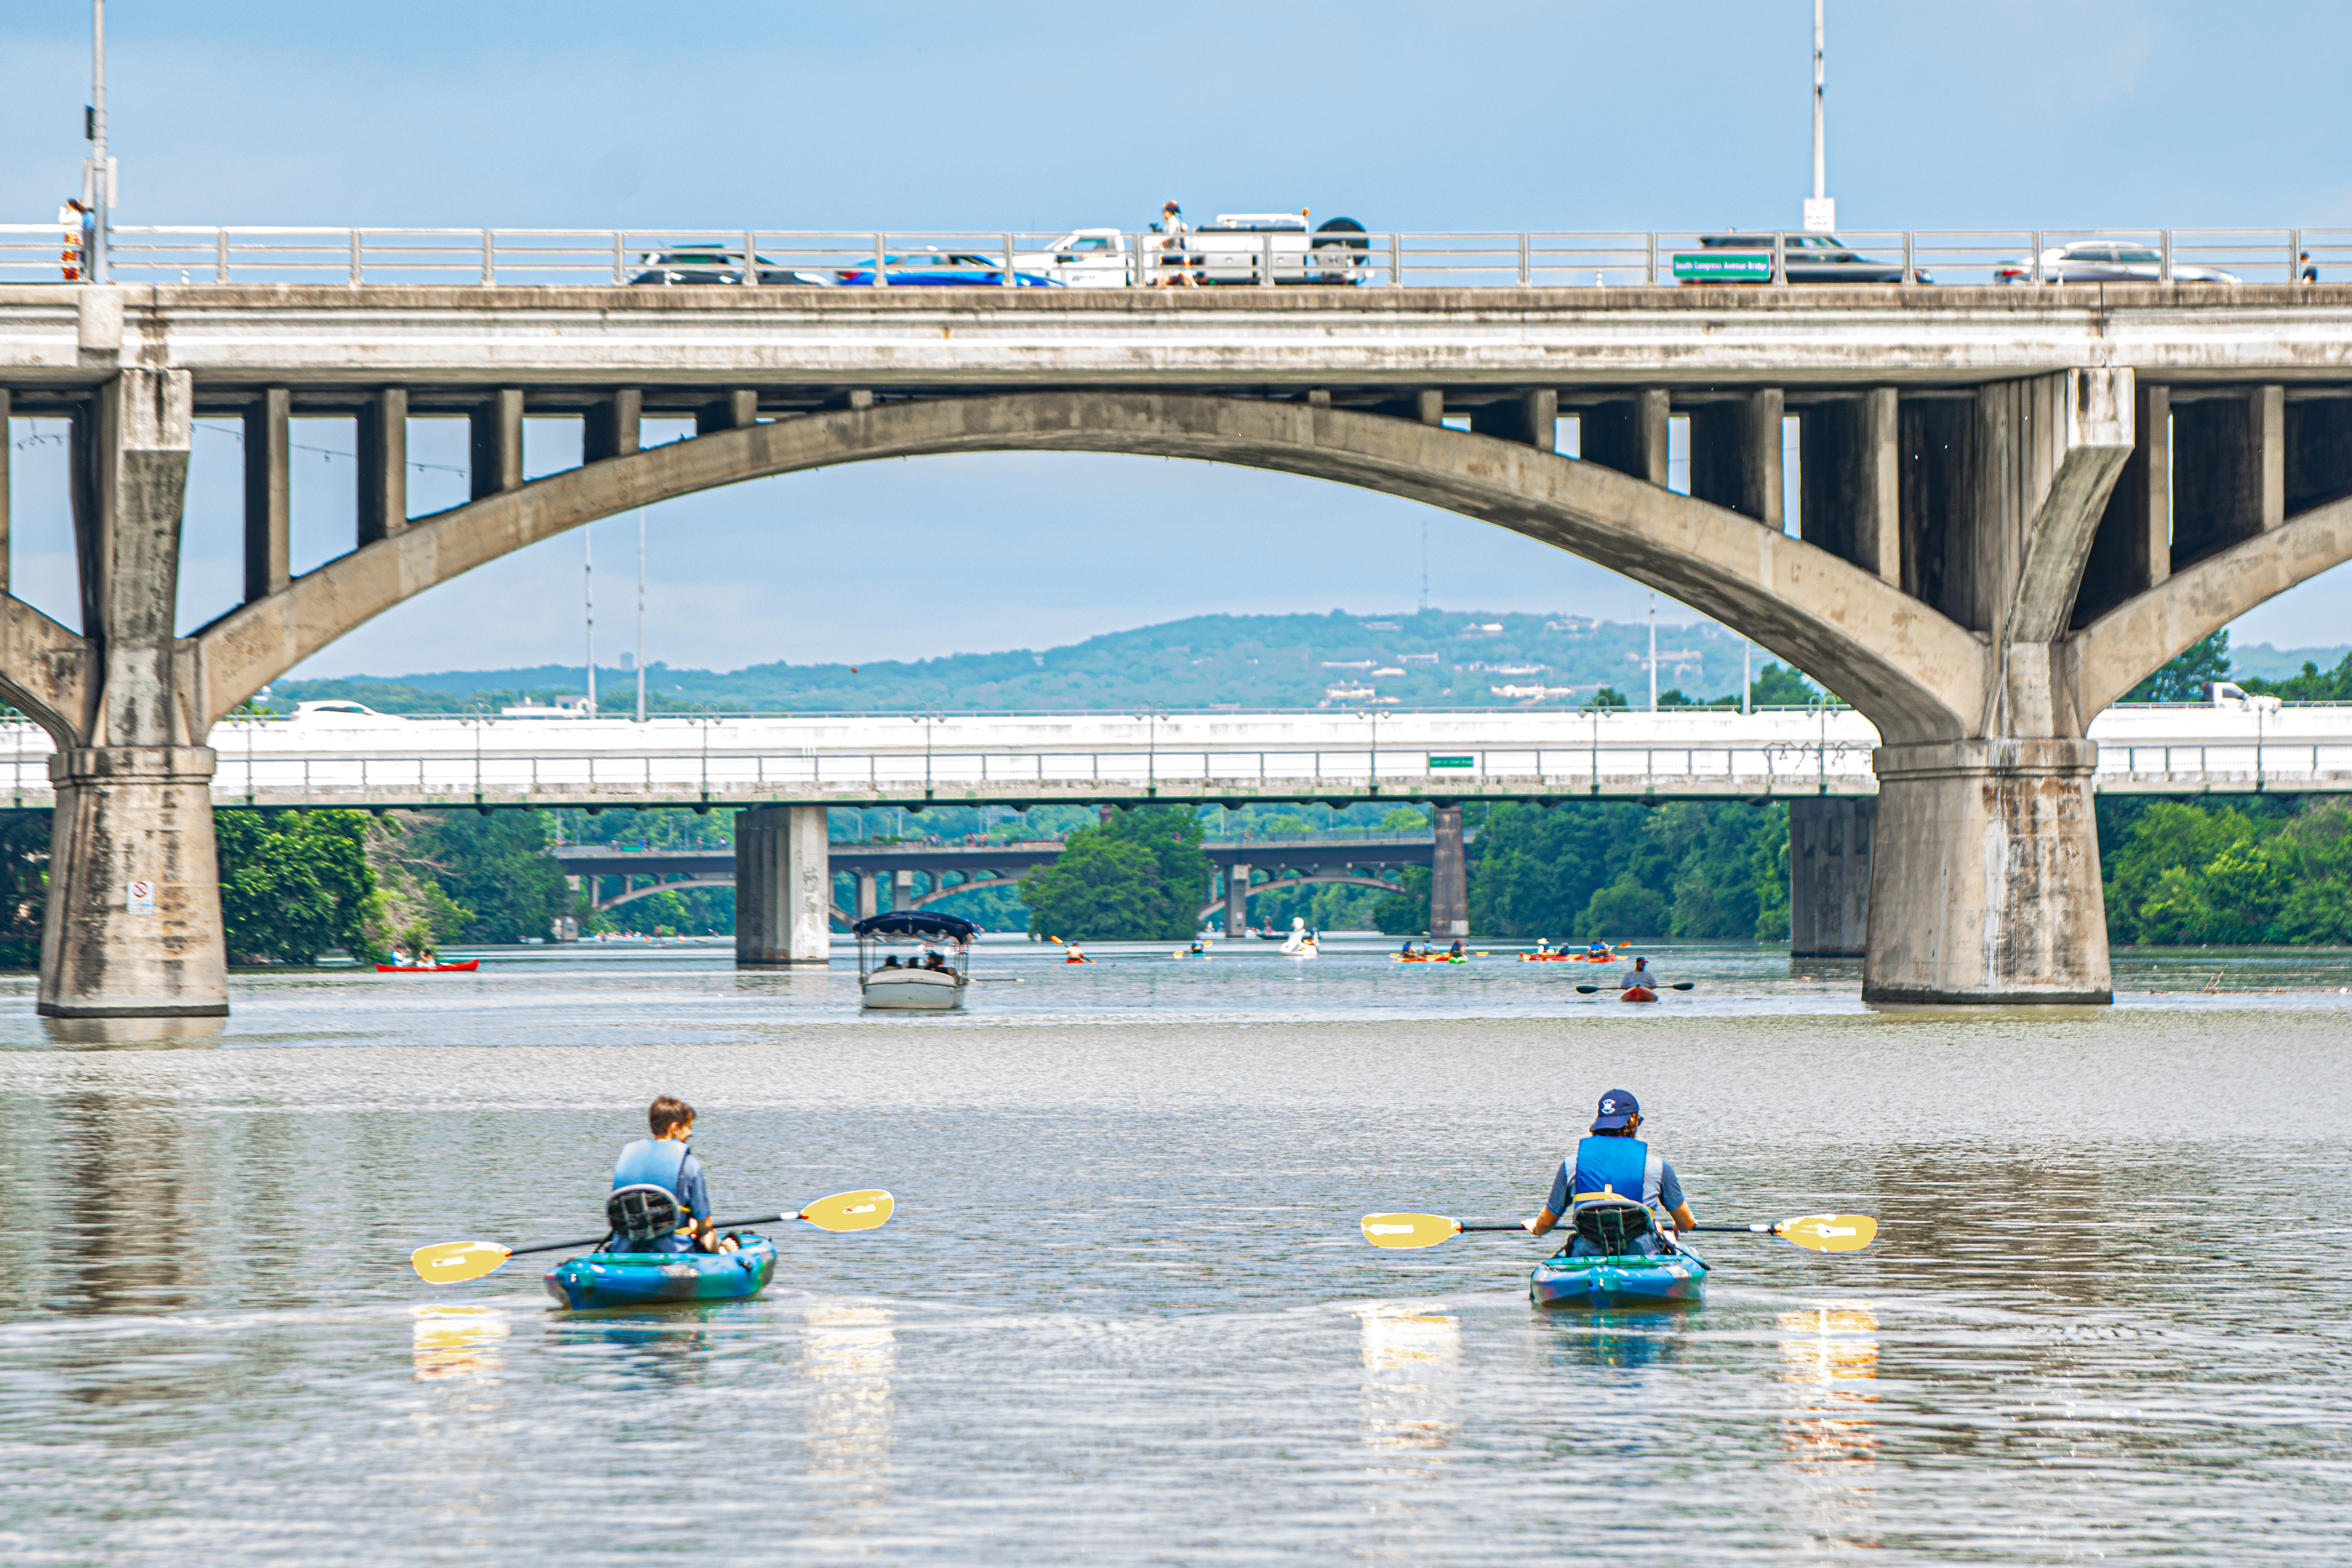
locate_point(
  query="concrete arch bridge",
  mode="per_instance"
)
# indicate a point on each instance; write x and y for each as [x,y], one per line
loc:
[2014,504]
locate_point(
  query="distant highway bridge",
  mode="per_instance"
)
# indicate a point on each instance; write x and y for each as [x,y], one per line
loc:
[885,875]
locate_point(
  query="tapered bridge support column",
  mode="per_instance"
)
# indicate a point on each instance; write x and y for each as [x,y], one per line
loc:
[1984,874]
[134,924]
[783,887]
[1237,881]
[1829,875]
[1449,877]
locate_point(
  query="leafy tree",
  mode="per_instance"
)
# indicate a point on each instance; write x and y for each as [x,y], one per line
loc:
[498,868]
[24,887]
[1609,869]
[1405,819]
[2187,874]
[2313,685]
[2184,679]
[1140,875]
[1605,697]
[294,884]
[1777,686]
[1407,913]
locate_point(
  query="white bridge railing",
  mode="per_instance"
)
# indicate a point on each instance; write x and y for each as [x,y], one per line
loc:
[799,257]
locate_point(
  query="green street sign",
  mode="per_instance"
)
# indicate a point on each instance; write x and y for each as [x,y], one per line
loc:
[1725,266]
[1452,761]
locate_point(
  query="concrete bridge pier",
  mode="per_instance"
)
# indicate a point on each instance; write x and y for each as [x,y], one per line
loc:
[1449,877]
[134,924]
[1829,875]
[1237,881]
[783,887]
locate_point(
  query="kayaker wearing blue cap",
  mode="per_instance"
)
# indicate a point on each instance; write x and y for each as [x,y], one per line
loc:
[659,1202]
[1615,1161]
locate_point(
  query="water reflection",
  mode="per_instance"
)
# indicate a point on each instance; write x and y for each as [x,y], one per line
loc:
[1411,1402]
[1620,1342]
[850,1357]
[1829,1364]
[127,1033]
[457,1341]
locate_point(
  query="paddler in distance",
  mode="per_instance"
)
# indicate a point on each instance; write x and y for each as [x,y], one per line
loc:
[1615,1161]
[660,1202]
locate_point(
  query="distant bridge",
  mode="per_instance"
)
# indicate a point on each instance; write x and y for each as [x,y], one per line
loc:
[886,874]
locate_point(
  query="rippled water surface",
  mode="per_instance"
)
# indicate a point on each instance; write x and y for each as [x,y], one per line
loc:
[1123,1313]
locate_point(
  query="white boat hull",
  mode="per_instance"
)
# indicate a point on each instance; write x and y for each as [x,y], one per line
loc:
[914,991]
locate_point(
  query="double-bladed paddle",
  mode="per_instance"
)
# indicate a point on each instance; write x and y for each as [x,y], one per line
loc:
[452,1261]
[1813,1232]
[1677,985]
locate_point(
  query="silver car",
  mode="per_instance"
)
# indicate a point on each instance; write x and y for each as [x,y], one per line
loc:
[2107,261]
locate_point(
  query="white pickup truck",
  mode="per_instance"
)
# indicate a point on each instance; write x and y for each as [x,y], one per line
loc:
[1235,248]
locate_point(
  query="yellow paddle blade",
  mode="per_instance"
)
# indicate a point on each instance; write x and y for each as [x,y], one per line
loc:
[451,1261]
[1409,1230]
[851,1211]
[1829,1232]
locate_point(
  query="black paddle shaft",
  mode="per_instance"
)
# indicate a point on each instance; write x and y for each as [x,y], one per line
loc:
[601,1239]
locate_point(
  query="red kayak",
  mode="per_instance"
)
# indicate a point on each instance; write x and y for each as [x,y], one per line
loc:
[467,967]
[1638,993]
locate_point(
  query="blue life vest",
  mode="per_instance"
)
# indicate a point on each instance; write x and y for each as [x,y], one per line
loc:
[1620,1165]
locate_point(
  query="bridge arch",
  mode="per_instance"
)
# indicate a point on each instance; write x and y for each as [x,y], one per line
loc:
[1916,674]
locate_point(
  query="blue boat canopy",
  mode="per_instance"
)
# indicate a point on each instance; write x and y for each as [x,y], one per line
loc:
[915,923]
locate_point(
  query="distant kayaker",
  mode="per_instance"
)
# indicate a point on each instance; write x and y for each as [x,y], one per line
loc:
[1455,952]
[1615,1161]
[658,1168]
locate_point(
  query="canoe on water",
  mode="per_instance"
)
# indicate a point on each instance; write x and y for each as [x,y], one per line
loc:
[1638,993]
[662,1278]
[467,967]
[1631,1280]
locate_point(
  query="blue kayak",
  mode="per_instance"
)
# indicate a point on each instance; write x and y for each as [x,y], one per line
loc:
[662,1278]
[1627,1280]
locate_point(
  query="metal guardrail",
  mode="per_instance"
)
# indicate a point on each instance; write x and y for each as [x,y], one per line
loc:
[1263,258]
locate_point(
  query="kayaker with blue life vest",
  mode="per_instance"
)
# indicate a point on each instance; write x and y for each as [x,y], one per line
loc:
[1608,1169]
[659,1201]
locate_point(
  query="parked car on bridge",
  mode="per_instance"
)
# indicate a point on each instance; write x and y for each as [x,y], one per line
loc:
[2107,261]
[942,269]
[1818,258]
[1083,259]
[717,264]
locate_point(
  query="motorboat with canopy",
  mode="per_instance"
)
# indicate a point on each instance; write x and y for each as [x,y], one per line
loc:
[912,961]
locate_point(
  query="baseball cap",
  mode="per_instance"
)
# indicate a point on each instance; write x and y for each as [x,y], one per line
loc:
[1617,1107]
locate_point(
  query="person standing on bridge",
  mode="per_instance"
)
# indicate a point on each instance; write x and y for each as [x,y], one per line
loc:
[1176,262]
[1610,1167]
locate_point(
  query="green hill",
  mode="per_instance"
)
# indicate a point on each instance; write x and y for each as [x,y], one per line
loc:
[1434,659]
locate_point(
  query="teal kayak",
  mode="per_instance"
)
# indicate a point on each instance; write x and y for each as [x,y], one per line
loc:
[1629,1279]
[662,1278]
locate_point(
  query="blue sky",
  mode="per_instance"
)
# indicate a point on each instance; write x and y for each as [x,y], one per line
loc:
[1416,117]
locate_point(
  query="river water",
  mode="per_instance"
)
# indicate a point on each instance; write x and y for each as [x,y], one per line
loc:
[1123,1314]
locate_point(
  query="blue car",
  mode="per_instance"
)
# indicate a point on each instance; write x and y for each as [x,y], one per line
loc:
[940,269]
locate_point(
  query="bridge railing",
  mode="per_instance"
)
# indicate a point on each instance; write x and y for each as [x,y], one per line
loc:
[803,258]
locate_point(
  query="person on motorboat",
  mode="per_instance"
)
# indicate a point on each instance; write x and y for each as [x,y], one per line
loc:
[890,961]
[1613,1188]
[660,1202]
[1641,974]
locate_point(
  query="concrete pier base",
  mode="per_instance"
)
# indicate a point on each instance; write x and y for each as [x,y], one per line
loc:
[134,925]
[783,887]
[1829,875]
[1984,877]
[1237,881]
